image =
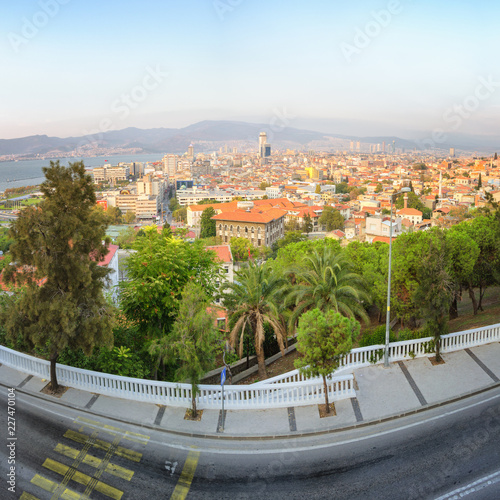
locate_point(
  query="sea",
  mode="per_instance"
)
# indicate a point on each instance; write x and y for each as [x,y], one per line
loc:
[29,172]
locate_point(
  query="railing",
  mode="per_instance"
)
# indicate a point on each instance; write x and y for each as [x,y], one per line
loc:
[398,351]
[172,394]
[289,389]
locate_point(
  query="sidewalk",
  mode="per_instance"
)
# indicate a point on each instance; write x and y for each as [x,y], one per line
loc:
[382,393]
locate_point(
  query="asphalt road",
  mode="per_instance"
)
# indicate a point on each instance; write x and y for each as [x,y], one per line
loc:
[64,453]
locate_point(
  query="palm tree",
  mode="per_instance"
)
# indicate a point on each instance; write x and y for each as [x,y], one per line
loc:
[325,281]
[252,300]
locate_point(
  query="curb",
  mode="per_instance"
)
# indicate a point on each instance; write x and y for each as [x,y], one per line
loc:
[215,436]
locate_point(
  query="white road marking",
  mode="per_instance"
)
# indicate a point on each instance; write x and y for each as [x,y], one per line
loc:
[276,451]
[484,482]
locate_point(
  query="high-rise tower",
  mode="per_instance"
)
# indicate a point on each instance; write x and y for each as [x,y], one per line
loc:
[264,147]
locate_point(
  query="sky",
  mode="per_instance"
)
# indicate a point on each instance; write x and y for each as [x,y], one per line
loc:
[369,67]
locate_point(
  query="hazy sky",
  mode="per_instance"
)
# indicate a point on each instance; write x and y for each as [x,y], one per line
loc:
[72,67]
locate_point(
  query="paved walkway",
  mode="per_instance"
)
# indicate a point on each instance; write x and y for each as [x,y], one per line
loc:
[382,393]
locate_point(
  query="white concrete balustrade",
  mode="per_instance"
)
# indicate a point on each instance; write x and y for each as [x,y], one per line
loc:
[406,349]
[290,389]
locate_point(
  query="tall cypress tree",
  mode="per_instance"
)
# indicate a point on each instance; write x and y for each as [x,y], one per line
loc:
[56,250]
[207,225]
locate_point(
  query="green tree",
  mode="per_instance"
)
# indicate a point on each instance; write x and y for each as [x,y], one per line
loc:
[242,249]
[331,218]
[5,240]
[408,250]
[173,204]
[307,226]
[194,340]
[413,201]
[207,224]
[483,230]
[115,215]
[252,301]
[180,214]
[292,225]
[158,271]
[461,256]
[317,190]
[435,290]
[263,185]
[208,201]
[324,280]
[290,256]
[289,238]
[370,260]
[322,340]
[420,166]
[479,182]
[126,238]
[355,192]
[342,188]
[379,187]
[129,217]
[57,248]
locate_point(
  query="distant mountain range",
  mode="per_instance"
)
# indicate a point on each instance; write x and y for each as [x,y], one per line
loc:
[208,135]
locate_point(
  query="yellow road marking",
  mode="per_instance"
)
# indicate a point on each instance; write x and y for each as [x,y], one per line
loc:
[71,471]
[81,478]
[28,496]
[95,462]
[98,473]
[51,487]
[187,474]
[78,437]
[131,436]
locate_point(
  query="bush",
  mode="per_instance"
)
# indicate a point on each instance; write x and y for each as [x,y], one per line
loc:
[120,361]
[376,336]
[408,334]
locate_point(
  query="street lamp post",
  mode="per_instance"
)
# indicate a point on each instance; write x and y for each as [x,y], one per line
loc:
[388,316]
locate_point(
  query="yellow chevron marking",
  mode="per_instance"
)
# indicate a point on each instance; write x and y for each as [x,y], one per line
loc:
[81,478]
[95,462]
[131,436]
[28,496]
[78,437]
[51,487]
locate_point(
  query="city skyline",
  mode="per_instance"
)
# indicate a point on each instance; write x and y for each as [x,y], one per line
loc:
[412,69]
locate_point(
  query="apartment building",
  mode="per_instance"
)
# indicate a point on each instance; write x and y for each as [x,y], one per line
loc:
[261,228]
[110,174]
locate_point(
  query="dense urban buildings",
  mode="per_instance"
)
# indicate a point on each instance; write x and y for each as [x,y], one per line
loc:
[257,200]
